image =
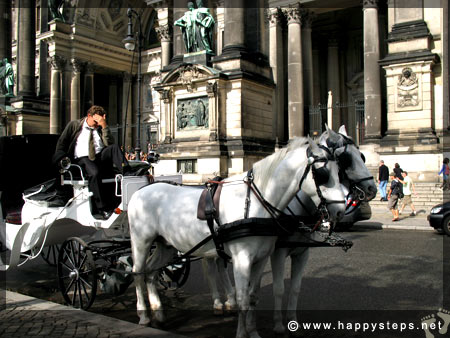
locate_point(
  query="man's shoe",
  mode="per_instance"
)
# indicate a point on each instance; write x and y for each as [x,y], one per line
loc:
[381,199]
[413,213]
[106,214]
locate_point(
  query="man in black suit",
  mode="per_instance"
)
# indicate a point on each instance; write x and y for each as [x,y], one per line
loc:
[89,143]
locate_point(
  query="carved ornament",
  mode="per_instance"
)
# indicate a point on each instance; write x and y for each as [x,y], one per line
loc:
[188,74]
[57,62]
[274,16]
[211,88]
[164,33]
[293,14]
[77,65]
[370,4]
[407,89]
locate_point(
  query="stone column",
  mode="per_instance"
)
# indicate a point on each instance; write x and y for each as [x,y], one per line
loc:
[165,36]
[234,33]
[307,56]
[26,48]
[316,72]
[75,97]
[372,87]
[88,95]
[5,29]
[57,64]
[295,73]
[276,63]
[333,81]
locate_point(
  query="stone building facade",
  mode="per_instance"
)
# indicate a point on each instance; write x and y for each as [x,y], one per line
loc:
[279,69]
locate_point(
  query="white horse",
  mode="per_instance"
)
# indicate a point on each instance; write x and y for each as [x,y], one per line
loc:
[357,177]
[170,213]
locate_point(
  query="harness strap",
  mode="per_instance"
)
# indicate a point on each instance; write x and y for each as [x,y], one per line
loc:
[247,199]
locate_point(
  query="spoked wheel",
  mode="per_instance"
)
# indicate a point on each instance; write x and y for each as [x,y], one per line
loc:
[50,254]
[77,275]
[176,273]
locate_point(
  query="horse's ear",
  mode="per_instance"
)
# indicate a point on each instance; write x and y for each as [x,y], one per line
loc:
[342,130]
[327,128]
[312,144]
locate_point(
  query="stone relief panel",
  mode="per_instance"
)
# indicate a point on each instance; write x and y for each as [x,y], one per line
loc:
[192,113]
[407,89]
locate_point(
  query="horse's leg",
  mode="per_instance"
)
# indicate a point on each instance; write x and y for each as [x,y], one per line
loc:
[210,272]
[230,304]
[140,251]
[241,270]
[255,285]
[161,256]
[298,263]
[277,260]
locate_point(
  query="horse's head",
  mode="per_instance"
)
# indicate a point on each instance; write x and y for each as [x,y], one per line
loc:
[324,188]
[351,162]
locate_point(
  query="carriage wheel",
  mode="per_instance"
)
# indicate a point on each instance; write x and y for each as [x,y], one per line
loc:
[176,273]
[77,275]
[50,254]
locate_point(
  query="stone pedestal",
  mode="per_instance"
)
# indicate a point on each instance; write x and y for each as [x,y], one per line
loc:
[201,58]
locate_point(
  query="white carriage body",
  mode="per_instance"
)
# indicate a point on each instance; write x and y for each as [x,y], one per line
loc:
[43,225]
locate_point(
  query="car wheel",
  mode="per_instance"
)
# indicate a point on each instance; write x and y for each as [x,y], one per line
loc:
[446,225]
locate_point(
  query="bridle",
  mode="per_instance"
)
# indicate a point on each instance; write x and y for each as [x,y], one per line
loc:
[344,161]
[321,176]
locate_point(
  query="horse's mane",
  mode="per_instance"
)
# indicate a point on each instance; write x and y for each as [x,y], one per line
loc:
[263,170]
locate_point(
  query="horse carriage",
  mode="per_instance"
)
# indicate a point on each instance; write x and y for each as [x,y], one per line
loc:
[57,223]
[244,219]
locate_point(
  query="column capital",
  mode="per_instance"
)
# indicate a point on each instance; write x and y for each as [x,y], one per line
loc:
[164,33]
[293,14]
[77,65]
[274,16]
[90,67]
[370,4]
[307,17]
[127,77]
[57,62]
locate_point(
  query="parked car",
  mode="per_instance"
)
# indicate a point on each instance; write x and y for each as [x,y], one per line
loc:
[439,217]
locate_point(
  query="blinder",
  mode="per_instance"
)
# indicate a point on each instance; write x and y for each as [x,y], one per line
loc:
[321,175]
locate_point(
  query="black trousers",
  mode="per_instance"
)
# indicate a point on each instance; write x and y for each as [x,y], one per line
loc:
[101,168]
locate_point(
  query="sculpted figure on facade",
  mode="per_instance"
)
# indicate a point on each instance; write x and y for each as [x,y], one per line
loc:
[192,114]
[187,24]
[56,7]
[6,78]
[197,28]
[204,30]
[408,88]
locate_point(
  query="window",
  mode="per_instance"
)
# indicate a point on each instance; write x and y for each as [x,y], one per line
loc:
[187,166]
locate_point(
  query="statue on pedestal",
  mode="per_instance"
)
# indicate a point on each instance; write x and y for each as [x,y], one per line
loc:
[6,78]
[197,26]
[56,9]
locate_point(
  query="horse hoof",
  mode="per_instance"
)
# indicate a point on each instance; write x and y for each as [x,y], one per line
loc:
[230,308]
[158,316]
[279,329]
[218,310]
[144,321]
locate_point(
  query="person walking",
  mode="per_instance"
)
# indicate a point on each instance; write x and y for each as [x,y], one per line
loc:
[445,171]
[393,196]
[398,171]
[408,190]
[383,177]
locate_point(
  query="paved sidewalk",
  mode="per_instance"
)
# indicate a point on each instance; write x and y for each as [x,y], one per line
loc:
[382,219]
[24,316]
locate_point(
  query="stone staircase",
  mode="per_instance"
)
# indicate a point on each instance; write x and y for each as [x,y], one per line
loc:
[428,195]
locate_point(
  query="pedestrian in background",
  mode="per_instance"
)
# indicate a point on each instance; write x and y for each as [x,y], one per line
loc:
[393,196]
[408,190]
[383,177]
[445,171]
[398,171]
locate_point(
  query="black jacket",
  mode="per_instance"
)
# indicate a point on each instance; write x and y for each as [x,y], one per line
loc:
[383,173]
[68,139]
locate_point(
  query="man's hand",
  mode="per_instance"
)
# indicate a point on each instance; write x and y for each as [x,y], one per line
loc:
[100,119]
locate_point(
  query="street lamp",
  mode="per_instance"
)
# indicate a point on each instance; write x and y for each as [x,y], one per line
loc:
[130,44]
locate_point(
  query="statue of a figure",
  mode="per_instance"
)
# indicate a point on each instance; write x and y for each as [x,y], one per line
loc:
[56,9]
[408,88]
[6,78]
[201,112]
[187,24]
[205,24]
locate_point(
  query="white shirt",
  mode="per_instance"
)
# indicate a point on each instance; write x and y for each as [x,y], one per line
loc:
[82,146]
[407,186]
